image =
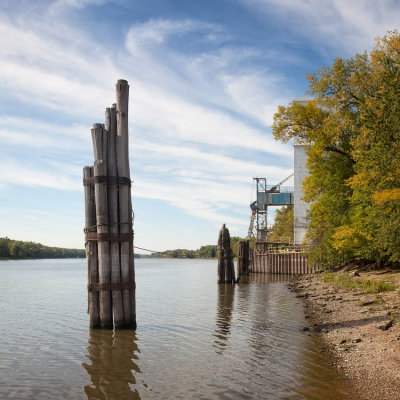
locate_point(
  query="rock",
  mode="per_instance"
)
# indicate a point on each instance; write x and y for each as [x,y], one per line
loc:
[386,326]
[367,303]
[357,340]
[343,341]
[355,273]
[306,328]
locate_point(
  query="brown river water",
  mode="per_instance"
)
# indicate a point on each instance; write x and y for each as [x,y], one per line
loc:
[195,339]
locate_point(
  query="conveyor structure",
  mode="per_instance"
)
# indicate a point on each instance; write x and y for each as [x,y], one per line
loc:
[267,196]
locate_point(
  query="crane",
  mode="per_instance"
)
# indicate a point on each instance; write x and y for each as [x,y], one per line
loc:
[273,189]
[258,207]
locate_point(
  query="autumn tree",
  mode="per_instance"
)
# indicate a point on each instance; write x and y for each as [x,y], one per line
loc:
[351,133]
[283,223]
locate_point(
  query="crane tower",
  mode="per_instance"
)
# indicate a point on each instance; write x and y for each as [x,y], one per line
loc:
[267,196]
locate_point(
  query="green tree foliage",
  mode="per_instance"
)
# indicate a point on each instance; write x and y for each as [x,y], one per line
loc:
[209,251]
[283,224]
[22,250]
[352,136]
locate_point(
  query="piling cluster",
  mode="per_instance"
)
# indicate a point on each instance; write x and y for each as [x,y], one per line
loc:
[226,270]
[108,221]
[243,258]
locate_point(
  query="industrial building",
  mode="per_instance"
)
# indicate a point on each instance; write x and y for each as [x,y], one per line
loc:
[300,172]
[275,195]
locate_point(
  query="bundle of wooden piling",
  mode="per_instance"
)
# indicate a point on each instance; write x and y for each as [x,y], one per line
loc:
[108,220]
[226,270]
[243,258]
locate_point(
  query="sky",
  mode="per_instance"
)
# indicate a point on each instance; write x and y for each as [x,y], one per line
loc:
[205,76]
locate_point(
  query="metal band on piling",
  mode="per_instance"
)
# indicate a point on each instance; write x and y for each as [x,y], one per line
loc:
[109,180]
[108,287]
[108,237]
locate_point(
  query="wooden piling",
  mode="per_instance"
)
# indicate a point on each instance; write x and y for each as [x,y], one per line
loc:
[122,89]
[132,278]
[110,231]
[99,137]
[91,251]
[226,271]
[112,191]
[243,258]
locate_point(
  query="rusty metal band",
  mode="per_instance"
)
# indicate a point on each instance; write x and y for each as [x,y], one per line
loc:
[90,228]
[109,180]
[107,287]
[108,237]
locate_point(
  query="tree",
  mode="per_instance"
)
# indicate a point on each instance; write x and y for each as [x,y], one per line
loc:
[351,132]
[283,224]
[5,247]
[374,229]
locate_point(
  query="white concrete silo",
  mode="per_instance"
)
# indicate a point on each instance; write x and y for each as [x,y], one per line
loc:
[301,208]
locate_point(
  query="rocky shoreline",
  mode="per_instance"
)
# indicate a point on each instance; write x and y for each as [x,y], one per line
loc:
[357,323]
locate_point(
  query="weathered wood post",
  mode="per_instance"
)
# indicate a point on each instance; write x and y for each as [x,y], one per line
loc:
[125,206]
[226,271]
[243,258]
[111,127]
[99,137]
[109,233]
[91,249]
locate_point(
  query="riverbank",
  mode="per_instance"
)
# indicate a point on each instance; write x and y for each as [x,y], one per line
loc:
[356,316]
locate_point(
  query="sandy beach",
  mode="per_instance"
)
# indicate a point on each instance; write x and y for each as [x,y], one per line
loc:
[355,314]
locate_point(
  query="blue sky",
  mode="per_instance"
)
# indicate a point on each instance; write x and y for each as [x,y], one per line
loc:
[206,77]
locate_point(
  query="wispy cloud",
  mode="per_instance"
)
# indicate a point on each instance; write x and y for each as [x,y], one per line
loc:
[31,133]
[156,32]
[60,6]
[224,77]
[24,173]
[181,161]
[195,110]
[336,24]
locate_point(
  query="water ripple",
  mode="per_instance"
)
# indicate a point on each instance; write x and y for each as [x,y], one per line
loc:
[195,339]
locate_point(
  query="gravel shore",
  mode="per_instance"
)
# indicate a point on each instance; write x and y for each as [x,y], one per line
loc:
[358,329]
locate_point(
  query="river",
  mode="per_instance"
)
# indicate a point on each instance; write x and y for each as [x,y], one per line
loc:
[195,339]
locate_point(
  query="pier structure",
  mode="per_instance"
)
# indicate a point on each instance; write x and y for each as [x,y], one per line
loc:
[226,269]
[281,255]
[289,262]
[267,196]
[109,222]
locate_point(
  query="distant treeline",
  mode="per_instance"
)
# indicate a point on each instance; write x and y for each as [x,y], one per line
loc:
[17,249]
[209,251]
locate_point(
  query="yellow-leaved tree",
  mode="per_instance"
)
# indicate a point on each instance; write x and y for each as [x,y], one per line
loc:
[352,135]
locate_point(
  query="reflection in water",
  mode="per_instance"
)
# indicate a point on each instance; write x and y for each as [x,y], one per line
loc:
[198,340]
[113,367]
[269,278]
[317,377]
[226,293]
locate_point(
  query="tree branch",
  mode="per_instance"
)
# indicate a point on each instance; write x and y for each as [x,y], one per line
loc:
[338,151]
